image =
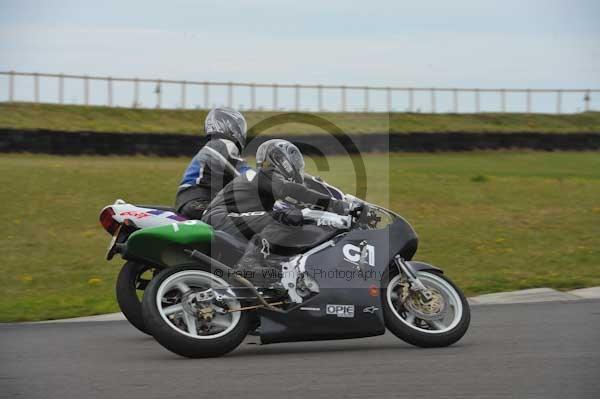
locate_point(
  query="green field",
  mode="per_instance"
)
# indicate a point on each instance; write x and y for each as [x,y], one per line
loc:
[493,220]
[104,119]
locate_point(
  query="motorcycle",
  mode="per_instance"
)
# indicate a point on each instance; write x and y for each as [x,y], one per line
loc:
[355,279]
[121,219]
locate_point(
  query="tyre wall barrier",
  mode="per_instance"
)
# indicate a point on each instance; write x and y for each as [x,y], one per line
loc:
[95,143]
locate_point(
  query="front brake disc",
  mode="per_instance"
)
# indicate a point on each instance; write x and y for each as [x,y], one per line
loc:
[434,309]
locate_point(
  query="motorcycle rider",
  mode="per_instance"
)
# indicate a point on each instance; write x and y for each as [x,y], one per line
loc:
[245,207]
[216,164]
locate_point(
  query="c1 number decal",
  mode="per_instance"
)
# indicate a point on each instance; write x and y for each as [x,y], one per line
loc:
[352,254]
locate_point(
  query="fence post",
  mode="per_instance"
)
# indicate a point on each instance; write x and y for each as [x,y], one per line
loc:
[455,100]
[411,100]
[343,94]
[587,99]
[158,91]
[559,101]
[275,105]
[389,99]
[433,101]
[230,94]
[86,90]
[206,95]
[36,87]
[11,86]
[297,98]
[61,89]
[503,99]
[136,92]
[183,94]
[477,101]
[110,91]
[366,99]
[320,97]
[528,101]
[252,96]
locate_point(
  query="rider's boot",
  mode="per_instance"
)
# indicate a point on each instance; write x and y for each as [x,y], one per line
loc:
[259,266]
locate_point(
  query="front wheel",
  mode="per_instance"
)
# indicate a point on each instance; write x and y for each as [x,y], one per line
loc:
[438,322]
[183,314]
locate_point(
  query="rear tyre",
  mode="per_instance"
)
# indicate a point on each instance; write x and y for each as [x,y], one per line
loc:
[174,315]
[438,323]
[130,284]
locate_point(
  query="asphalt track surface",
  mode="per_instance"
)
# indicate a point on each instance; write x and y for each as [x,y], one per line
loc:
[544,350]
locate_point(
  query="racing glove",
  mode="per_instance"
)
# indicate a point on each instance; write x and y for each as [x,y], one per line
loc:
[339,207]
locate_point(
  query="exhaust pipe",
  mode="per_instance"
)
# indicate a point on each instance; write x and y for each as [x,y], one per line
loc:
[230,272]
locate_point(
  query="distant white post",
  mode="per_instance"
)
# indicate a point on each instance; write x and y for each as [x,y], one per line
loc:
[158,91]
[275,102]
[559,101]
[503,99]
[252,96]
[411,100]
[320,97]
[477,102]
[455,100]
[36,87]
[297,98]
[230,94]
[343,94]
[11,86]
[110,91]
[389,99]
[183,94]
[433,101]
[136,93]
[366,99]
[206,95]
[587,98]
[86,90]
[528,101]
[61,89]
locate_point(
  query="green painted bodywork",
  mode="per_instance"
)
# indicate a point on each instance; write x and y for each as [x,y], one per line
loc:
[163,245]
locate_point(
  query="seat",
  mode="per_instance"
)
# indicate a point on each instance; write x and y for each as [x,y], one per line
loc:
[159,207]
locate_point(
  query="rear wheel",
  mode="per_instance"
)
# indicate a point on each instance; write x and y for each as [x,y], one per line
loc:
[440,321]
[183,314]
[131,283]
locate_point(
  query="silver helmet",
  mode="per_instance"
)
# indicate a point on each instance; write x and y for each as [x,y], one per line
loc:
[283,157]
[227,123]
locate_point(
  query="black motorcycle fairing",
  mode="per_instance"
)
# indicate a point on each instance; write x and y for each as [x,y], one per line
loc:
[403,239]
[422,266]
[343,282]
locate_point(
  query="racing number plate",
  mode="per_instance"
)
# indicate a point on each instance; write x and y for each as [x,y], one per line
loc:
[111,245]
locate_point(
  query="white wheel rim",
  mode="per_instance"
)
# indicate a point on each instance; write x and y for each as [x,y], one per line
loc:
[184,281]
[430,280]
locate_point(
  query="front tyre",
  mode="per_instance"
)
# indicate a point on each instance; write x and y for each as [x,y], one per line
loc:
[436,323]
[183,322]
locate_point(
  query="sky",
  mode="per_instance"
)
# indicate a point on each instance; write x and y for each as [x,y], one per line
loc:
[459,43]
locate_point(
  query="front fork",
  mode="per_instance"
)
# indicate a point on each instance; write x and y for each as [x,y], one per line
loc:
[415,284]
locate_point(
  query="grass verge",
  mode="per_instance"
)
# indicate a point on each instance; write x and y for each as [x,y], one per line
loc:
[125,120]
[494,221]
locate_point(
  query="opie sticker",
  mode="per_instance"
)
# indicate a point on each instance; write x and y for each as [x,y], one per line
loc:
[340,310]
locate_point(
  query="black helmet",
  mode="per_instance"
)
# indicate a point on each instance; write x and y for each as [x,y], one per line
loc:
[282,156]
[226,123]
